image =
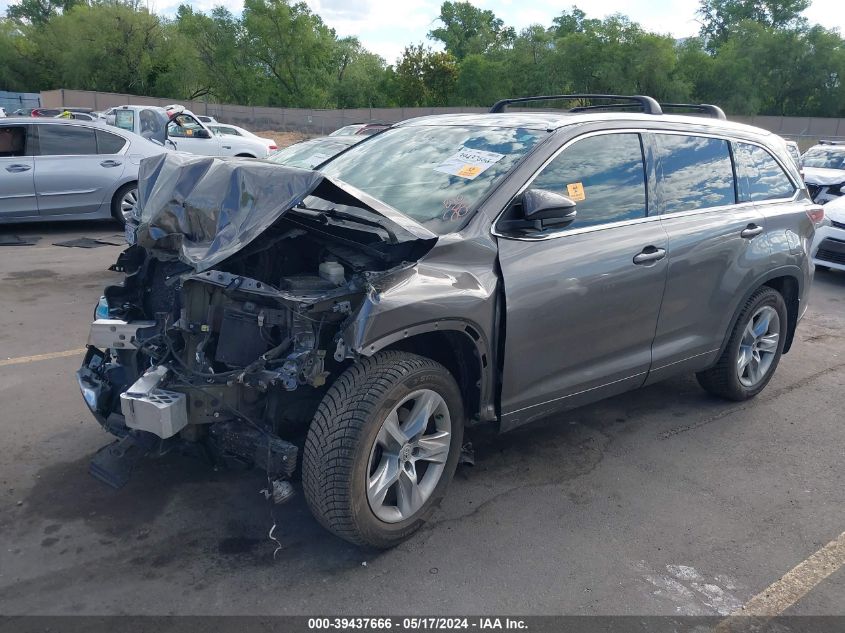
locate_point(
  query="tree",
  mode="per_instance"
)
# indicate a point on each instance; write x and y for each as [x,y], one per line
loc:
[468,30]
[424,77]
[38,12]
[719,17]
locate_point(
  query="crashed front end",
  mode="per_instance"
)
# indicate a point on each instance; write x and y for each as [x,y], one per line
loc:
[234,311]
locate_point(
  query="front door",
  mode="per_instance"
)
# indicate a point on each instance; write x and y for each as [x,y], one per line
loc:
[188,135]
[582,301]
[17,183]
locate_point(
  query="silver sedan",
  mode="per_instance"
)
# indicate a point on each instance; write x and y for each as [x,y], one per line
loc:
[69,170]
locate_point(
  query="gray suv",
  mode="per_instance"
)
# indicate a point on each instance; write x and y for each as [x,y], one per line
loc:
[350,322]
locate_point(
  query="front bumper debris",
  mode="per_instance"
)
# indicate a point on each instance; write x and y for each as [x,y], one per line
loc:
[148,407]
[116,333]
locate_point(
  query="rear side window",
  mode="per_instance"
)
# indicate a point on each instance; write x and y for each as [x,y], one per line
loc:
[604,175]
[760,175]
[65,140]
[694,172]
[108,143]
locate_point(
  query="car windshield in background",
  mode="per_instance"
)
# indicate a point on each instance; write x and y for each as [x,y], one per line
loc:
[436,175]
[826,158]
[309,154]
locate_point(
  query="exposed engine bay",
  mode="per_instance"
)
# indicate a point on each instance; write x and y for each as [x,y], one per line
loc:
[233,358]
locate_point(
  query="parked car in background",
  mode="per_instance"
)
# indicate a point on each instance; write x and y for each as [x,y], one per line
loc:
[23,112]
[77,116]
[207,119]
[452,270]
[53,169]
[360,128]
[45,112]
[2,113]
[183,131]
[829,242]
[824,170]
[234,130]
[313,152]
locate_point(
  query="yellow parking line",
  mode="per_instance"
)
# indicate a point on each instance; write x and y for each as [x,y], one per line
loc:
[20,360]
[797,582]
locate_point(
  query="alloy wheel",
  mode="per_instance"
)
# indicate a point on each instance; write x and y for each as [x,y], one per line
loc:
[128,203]
[408,456]
[758,347]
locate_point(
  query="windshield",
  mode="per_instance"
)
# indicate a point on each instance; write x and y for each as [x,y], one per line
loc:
[827,158]
[436,175]
[309,154]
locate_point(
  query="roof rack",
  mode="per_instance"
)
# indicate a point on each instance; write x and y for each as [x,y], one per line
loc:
[712,111]
[646,104]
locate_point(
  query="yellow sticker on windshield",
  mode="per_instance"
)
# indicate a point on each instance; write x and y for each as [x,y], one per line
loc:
[576,191]
[469,171]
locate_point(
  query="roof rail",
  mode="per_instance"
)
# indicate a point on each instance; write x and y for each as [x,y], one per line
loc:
[824,141]
[646,104]
[714,112]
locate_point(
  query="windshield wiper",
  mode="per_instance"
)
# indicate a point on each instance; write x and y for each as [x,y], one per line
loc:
[324,215]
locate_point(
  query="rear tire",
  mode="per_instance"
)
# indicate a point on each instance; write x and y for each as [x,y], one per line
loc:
[753,351]
[124,202]
[382,448]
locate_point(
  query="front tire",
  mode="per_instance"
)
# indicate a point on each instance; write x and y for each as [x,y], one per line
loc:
[382,448]
[753,350]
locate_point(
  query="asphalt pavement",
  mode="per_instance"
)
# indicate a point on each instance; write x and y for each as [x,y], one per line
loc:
[661,501]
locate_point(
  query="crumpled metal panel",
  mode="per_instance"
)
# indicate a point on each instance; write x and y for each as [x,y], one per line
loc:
[208,208]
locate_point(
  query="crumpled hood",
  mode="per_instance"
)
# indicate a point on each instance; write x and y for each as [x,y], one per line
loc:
[822,176]
[207,208]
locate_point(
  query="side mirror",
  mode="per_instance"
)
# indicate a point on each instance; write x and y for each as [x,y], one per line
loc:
[543,209]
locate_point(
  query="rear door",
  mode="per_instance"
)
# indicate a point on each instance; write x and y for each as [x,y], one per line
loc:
[70,176]
[17,181]
[717,247]
[582,301]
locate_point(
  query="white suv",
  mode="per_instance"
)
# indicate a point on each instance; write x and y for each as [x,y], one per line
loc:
[182,130]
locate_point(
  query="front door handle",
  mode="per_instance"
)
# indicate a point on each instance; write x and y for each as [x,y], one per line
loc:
[18,168]
[649,255]
[111,163]
[752,230]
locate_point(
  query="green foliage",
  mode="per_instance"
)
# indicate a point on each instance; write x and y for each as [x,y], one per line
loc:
[752,57]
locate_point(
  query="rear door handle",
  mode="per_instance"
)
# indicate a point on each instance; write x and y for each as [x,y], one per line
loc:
[18,168]
[111,163]
[649,255]
[752,230]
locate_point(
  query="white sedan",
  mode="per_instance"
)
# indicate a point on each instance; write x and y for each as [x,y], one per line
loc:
[829,242]
[234,130]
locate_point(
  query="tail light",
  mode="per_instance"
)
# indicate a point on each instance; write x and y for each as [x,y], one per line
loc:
[272,148]
[816,214]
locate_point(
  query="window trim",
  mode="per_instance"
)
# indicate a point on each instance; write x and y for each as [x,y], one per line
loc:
[649,217]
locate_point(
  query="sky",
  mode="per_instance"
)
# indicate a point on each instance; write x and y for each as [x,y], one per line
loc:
[385,27]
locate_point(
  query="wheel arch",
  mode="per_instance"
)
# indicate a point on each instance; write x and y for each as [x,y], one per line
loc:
[244,155]
[787,281]
[460,347]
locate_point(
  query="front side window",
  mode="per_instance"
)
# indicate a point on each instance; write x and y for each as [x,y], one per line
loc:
[761,177]
[694,172]
[66,140]
[183,126]
[13,141]
[604,175]
[434,174]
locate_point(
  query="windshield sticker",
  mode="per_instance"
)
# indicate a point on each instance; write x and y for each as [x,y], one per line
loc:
[455,208]
[576,191]
[469,163]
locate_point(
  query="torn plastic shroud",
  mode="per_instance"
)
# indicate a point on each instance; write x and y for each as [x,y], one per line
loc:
[209,208]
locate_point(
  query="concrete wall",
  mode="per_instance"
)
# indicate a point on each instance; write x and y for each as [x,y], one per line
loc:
[12,101]
[806,130]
